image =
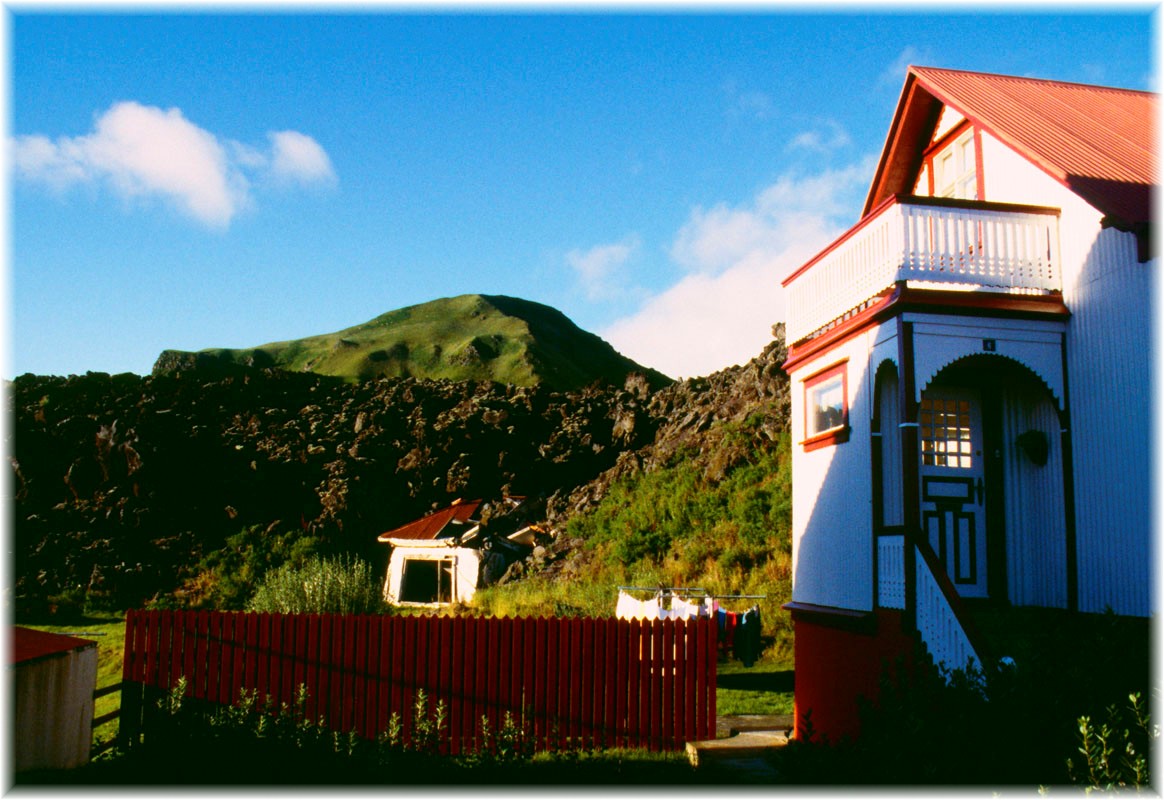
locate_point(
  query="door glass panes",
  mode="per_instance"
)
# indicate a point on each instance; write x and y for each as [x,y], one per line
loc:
[946,439]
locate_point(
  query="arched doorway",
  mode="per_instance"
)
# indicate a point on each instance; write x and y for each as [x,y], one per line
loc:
[990,472]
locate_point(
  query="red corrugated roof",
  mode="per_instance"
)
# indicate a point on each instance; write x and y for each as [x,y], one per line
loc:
[1095,140]
[29,644]
[430,526]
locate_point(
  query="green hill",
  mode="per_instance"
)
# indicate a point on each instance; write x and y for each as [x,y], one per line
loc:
[470,337]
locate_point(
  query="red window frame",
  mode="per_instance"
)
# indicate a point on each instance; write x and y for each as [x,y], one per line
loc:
[940,146]
[837,434]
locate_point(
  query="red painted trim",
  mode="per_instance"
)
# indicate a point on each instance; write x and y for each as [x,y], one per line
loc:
[830,616]
[827,439]
[836,664]
[844,237]
[980,177]
[902,299]
[824,373]
[910,458]
[837,434]
[957,604]
[940,145]
[858,323]
[946,139]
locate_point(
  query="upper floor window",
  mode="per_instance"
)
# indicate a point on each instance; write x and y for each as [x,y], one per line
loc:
[955,169]
[826,407]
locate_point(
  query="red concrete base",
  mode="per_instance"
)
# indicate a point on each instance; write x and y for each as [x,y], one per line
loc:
[838,659]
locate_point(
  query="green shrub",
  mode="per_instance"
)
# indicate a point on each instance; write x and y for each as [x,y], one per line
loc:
[338,585]
[1116,754]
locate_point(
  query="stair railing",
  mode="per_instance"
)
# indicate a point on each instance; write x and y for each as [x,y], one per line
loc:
[940,616]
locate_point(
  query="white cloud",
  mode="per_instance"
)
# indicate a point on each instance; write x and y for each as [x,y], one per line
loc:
[722,311]
[145,151]
[893,76]
[597,269]
[299,158]
[748,103]
[825,138]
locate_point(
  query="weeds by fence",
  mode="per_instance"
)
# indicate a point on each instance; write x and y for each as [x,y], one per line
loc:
[568,682]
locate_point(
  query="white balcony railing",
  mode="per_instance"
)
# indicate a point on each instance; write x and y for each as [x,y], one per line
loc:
[929,242]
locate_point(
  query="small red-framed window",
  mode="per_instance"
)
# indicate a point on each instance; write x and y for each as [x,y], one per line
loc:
[826,407]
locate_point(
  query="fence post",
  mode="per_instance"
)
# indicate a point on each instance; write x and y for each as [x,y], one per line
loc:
[129,724]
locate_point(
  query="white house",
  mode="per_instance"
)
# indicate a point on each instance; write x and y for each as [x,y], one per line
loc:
[970,372]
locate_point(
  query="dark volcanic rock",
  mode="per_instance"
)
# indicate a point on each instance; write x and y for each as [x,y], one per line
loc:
[120,484]
[188,459]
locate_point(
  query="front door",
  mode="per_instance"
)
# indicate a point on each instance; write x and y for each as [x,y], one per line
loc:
[952,485]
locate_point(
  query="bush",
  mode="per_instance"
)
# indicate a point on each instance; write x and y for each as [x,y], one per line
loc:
[339,585]
[1116,754]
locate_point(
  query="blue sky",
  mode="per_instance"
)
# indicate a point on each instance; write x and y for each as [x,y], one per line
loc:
[227,178]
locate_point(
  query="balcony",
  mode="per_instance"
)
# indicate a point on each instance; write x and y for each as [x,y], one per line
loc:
[925,242]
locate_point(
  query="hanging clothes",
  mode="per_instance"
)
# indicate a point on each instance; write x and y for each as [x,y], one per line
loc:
[746,645]
[726,622]
[653,609]
[684,609]
[628,607]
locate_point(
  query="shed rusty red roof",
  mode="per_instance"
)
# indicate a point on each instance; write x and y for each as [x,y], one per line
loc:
[1096,140]
[29,644]
[431,525]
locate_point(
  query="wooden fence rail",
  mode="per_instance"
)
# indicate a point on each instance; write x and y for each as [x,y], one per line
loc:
[572,682]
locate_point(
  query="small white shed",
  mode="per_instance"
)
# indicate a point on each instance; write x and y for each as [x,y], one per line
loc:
[53,680]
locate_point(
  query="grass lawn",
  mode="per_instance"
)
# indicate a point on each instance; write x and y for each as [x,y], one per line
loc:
[763,688]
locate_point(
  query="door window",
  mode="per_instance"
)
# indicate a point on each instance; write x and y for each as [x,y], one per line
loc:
[946,434]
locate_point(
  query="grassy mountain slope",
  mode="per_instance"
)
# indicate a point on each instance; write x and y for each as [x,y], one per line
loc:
[707,503]
[470,337]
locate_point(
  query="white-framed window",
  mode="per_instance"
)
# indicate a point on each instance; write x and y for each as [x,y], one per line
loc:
[956,169]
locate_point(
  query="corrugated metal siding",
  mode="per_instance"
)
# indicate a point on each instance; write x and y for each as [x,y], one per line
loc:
[1109,345]
[1036,525]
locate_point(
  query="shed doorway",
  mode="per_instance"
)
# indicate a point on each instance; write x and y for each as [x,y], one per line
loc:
[427,580]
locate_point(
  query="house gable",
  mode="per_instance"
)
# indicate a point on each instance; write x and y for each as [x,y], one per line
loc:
[1096,141]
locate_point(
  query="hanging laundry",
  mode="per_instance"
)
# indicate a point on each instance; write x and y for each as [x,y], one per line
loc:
[726,622]
[746,646]
[684,609]
[628,607]
[653,609]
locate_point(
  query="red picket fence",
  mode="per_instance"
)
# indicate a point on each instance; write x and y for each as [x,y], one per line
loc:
[572,682]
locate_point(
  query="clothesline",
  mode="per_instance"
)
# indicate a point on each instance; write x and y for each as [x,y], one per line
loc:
[689,591]
[739,632]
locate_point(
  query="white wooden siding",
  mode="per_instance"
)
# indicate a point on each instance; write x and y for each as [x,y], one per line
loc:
[940,341]
[1109,345]
[832,550]
[1036,523]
